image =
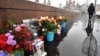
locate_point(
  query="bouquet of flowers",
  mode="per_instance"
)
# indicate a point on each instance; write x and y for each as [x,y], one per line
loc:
[22,35]
[48,24]
[16,37]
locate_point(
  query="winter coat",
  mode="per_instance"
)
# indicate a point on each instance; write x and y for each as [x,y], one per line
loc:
[91,9]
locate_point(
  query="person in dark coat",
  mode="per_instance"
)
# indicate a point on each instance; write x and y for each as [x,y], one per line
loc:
[91,10]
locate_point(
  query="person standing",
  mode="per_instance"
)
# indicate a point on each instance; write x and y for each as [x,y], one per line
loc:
[91,10]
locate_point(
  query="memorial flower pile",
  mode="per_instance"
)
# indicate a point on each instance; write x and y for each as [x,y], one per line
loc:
[15,37]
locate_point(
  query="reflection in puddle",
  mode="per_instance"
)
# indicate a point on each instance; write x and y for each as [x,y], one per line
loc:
[90,47]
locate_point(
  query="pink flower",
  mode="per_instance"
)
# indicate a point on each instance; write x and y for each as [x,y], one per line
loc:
[10,37]
[22,25]
[18,28]
[7,34]
[11,42]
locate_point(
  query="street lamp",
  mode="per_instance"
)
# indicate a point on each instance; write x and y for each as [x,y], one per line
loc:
[95,3]
[44,1]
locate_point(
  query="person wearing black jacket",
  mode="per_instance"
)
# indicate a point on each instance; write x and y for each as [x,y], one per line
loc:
[91,10]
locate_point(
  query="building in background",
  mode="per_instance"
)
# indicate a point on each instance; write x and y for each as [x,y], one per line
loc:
[70,4]
[49,3]
[36,0]
[73,3]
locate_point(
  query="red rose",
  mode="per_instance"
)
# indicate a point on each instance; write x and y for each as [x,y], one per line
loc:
[9,48]
[2,44]
[3,37]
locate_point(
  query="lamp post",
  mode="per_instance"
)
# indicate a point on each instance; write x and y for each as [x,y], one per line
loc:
[60,5]
[49,3]
[95,3]
[45,2]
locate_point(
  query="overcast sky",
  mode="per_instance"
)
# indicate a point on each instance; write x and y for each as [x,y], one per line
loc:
[63,2]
